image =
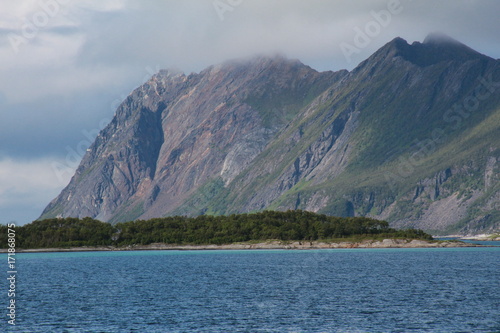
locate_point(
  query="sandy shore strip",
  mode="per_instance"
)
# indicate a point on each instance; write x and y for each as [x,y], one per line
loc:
[481,237]
[269,245]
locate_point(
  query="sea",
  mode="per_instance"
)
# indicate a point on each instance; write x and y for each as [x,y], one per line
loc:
[334,290]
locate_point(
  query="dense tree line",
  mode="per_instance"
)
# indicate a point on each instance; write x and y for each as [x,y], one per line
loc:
[205,229]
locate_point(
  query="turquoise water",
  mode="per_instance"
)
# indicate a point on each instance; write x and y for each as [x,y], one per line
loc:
[358,290]
[472,241]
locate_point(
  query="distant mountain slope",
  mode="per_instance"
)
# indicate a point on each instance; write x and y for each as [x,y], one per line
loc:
[411,135]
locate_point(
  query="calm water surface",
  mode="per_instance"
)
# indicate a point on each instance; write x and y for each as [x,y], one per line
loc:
[359,290]
[472,241]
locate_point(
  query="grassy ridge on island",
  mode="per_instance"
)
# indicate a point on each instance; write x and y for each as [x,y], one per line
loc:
[203,230]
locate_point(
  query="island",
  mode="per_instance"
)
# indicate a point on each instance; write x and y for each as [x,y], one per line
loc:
[295,229]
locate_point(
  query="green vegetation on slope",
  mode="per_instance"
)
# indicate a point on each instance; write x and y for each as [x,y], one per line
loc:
[284,226]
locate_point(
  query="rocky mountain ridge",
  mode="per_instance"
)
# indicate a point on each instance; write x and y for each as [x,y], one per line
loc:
[410,135]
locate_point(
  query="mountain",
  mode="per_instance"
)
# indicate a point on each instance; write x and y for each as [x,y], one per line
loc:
[411,135]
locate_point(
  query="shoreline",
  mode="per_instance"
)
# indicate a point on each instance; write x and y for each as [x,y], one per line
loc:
[266,245]
[481,237]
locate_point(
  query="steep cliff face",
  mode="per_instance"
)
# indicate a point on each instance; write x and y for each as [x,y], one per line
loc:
[411,135]
[176,132]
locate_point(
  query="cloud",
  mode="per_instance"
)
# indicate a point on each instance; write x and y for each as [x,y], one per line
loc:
[26,186]
[83,57]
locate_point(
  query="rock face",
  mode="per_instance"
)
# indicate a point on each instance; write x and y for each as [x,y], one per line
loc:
[411,135]
[177,132]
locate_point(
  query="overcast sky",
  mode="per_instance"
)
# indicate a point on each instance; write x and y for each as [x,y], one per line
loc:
[67,64]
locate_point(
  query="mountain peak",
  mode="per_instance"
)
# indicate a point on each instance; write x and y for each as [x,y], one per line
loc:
[171,72]
[268,132]
[263,61]
[437,47]
[440,38]
[442,41]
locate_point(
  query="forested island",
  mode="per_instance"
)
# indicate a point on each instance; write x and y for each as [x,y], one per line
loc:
[204,230]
